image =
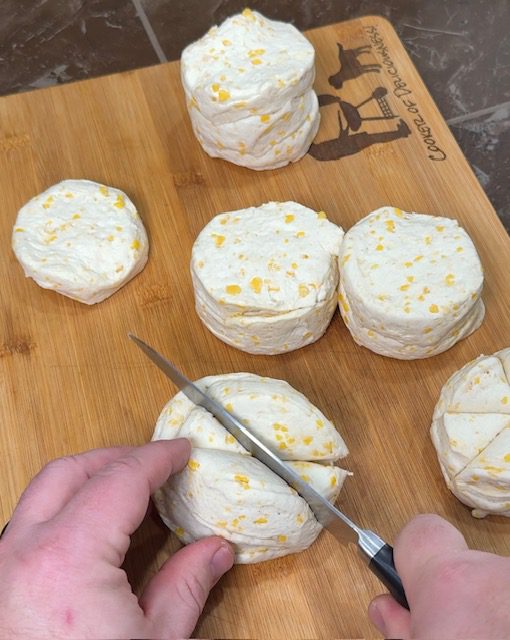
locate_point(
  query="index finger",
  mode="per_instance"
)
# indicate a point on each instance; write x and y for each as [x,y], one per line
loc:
[57,482]
[111,505]
[423,540]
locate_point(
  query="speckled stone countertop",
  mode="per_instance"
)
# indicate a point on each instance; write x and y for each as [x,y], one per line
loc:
[460,47]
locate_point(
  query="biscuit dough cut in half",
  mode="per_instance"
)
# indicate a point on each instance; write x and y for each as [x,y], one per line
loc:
[248,86]
[224,491]
[471,433]
[410,284]
[266,278]
[82,239]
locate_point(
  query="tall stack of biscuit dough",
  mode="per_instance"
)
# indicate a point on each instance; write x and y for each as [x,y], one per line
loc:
[410,284]
[248,85]
[265,278]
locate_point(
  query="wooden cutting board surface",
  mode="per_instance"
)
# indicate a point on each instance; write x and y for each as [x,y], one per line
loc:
[70,380]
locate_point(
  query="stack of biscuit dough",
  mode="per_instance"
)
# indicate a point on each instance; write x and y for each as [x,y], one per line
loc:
[224,491]
[471,433]
[248,86]
[410,284]
[266,278]
[82,239]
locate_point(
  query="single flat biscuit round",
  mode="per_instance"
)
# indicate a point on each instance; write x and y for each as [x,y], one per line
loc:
[265,278]
[410,284]
[224,491]
[81,239]
[248,85]
[471,433]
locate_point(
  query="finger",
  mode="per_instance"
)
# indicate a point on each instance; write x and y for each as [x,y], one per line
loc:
[423,540]
[112,504]
[57,482]
[392,620]
[175,597]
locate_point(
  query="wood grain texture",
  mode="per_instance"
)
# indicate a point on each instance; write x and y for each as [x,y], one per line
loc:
[70,379]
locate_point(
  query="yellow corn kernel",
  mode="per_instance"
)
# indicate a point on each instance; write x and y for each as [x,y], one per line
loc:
[256,284]
[303,290]
[218,239]
[233,289]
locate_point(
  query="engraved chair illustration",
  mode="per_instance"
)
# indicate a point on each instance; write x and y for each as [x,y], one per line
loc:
[352,113]
[349,141]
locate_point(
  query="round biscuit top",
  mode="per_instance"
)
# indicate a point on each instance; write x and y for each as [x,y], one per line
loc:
[80,238]
[277,257]
[410,265]
[246,63]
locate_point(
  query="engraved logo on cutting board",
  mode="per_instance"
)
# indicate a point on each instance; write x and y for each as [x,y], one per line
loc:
[354,134]
[405,93]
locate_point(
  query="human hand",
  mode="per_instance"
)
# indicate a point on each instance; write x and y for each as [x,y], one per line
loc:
[61,554]
[453,592]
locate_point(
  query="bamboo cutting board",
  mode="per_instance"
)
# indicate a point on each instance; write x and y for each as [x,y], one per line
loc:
[71,380]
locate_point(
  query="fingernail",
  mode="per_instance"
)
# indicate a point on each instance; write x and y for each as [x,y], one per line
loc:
[221,561]
[376,617]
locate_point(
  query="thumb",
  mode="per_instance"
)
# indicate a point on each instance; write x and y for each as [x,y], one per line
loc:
[176,595]
[392,620]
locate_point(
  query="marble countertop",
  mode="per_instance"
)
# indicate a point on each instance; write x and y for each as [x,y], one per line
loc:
[460,47]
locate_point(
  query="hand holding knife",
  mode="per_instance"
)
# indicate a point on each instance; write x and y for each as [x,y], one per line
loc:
[373,549]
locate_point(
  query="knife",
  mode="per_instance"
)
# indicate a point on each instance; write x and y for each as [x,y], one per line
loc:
[377,553]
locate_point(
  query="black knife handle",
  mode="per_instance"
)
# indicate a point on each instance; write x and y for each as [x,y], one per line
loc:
[383,567]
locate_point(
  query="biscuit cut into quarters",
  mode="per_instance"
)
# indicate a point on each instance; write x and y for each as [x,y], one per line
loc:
[82,239]
[265,278]
[471,433]
[410,284]
[249,91]
[224,491]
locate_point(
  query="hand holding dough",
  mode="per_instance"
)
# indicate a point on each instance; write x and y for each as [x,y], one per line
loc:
[225,491]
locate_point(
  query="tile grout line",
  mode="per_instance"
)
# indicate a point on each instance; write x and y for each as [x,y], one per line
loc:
[149,30]
[475,114]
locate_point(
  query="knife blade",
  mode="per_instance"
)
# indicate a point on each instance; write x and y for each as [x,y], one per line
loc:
[377,553]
